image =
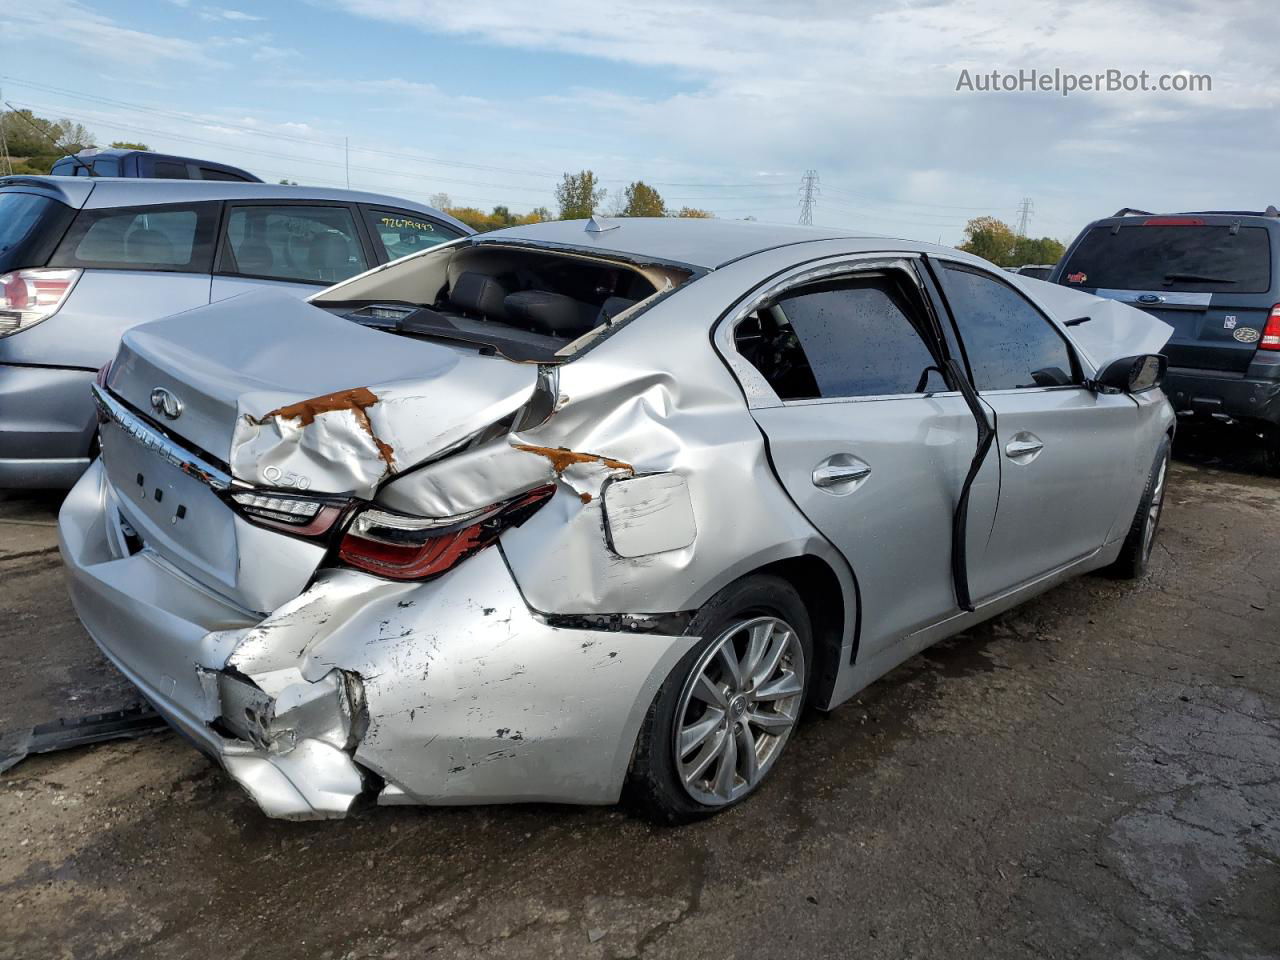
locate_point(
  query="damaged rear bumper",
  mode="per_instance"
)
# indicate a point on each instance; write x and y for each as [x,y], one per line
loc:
[445,692]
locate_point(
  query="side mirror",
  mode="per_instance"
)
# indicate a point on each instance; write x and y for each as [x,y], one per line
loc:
[1131,374]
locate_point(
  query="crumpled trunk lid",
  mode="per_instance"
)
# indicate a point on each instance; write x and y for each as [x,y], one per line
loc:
[288,395]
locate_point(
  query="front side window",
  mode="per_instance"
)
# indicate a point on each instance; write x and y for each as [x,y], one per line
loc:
[299,243]
[106,167]
[1010,344]
[403,233]
[141,238]
[858,337]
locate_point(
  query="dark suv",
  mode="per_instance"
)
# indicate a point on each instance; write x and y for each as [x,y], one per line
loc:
[114,162]
[1213,276]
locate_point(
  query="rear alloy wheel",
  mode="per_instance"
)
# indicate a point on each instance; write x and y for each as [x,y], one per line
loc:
[738,709]
[1135,555]
[724,715]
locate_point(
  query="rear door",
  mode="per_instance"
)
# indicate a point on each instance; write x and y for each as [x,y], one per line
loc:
[1063,451]
[1209,277]
[301,247]
[865,435]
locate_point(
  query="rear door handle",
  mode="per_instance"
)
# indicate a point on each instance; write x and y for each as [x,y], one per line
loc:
[1023,447]
[842,470]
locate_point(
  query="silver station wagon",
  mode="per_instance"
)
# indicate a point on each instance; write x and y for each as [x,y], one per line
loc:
[577,511]
[82,259]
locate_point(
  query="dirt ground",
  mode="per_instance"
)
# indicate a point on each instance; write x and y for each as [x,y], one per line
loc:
[1095,774]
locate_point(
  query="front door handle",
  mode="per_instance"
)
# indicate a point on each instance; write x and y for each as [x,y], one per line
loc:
[840,473]
[1024,447]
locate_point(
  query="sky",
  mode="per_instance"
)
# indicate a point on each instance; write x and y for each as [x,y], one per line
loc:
[720,105]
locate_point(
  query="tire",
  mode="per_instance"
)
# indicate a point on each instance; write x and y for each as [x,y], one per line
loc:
[763,621]
[1271,449]
[1135,555]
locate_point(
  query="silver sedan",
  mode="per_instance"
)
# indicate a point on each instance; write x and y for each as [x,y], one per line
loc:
[575,511]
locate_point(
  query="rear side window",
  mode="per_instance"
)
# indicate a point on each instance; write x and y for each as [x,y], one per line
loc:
[847,338]
[178,237]
[208,173]
[106,167]
[1010,344]
[299,243]
[29,226]
[1185,259]
[168,170]
[403,233]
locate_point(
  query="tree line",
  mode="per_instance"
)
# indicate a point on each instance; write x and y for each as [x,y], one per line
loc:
[578,196]
[994,240]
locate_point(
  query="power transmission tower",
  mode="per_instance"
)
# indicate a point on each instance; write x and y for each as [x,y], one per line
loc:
[809,192]
[1025,209]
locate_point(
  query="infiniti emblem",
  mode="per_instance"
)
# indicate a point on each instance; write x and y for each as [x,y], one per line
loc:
[164,402]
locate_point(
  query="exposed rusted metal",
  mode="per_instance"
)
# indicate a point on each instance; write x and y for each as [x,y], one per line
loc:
[562,459]
[357,400]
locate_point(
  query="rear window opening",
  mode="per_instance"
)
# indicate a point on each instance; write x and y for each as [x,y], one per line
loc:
[526,305]
[1184,258]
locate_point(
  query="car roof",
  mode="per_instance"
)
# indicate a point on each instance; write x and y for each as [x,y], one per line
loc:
[694,241]
[1212,217]
[94,193]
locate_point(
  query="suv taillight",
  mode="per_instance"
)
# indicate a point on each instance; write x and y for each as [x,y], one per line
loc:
[1271,332]
[29,296]
[403,547]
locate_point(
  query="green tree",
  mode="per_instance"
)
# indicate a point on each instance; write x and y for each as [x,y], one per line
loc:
[34,143]
[991,239]
[695,213]
[130,145]
[641,200]
[579,194]
[283,183]
[1043,250]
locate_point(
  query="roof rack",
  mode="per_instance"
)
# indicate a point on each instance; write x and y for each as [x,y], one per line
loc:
[1127,211]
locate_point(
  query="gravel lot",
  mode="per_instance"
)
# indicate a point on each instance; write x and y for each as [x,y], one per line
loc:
[1095,774]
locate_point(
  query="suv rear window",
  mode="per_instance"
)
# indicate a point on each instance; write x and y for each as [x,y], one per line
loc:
[177,237]
[1188,259]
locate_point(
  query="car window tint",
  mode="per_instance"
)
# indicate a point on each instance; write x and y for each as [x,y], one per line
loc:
[851,338]
[106,167]
[19,215]
[1009,343]
[208,173]
[175,237]
[307,244]
[168,170]
[404,233]
[1183,258]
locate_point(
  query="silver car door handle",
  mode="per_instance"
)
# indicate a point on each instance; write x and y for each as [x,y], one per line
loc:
[1023,447]
[831,474]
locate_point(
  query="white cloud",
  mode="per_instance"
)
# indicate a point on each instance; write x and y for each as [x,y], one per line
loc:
[100,37]
[864,91]
[222,13]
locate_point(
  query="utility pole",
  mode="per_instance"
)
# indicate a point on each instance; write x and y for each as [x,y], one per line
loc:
[1025,209]
[809,192]
[346,158]
[4,140]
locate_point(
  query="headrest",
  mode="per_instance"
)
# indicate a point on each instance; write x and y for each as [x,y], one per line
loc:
[612,307]
[478,293]
[549,312]
[328,251]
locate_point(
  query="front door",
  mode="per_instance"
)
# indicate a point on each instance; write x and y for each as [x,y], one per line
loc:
[1063,451]
[867,438]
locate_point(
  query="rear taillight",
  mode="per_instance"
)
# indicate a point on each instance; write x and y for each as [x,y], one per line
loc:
[29,296]
[1271,332]
[404,547]
[1173,222]
[300,516]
